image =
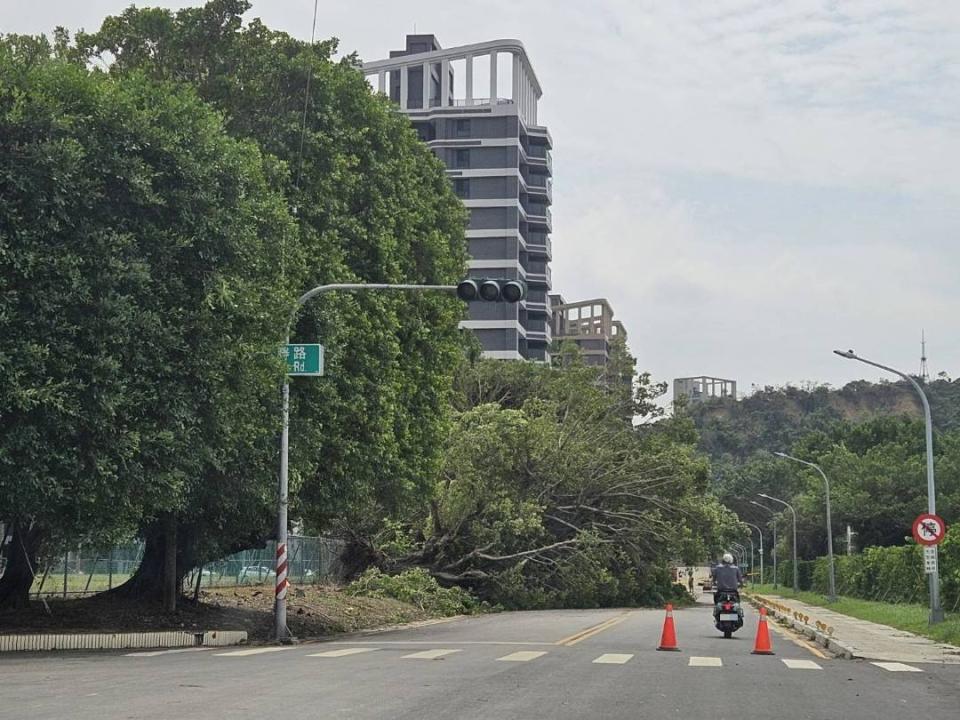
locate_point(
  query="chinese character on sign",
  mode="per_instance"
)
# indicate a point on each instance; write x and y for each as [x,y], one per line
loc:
[299,352]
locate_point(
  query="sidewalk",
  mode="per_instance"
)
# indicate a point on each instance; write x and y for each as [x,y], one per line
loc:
[852,637]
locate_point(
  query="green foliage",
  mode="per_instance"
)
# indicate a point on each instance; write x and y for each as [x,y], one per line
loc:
[887,574]
[549,495]
[139,251]
[416,587]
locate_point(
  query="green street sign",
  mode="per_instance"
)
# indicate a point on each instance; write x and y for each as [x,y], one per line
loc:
[303,359]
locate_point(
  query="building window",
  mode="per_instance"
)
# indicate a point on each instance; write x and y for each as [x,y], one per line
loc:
[461,186]
[463,128]
[462,159]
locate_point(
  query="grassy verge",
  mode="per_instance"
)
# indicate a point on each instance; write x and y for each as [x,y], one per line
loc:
[910,617]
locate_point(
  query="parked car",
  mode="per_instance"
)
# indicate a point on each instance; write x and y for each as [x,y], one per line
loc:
[254,573]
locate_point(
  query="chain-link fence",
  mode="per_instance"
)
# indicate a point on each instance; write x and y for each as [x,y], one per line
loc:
[86,570]
[311,561]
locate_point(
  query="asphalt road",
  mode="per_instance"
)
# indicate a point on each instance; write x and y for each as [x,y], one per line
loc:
[511,665]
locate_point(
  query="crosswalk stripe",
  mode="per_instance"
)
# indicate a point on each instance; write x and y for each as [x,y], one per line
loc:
[613,659]
[253,651]
[155,653]
[343,652]
[896,667]
[801,664]
[522,656]
[705,662]
[429,654]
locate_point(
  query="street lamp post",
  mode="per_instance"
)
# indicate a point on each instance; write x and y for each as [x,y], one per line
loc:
[741,554]
[936,612]
[760,533]
[773,551]
[280,590]
[833,580]
[752,557]
[796,583]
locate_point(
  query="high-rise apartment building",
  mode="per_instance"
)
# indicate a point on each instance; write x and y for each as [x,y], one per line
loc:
[476,107]
[589,324]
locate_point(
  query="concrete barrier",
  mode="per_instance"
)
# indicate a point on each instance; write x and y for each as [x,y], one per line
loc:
[821,633]
[120,641]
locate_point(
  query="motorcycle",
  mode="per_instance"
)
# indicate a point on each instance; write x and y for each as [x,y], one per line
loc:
[727,613]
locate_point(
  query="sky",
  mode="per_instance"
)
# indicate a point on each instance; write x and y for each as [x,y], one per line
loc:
[750,184]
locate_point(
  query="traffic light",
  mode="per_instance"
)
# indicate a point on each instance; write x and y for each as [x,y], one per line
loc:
[492,290]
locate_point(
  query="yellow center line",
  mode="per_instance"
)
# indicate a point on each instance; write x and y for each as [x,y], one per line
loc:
[593,630]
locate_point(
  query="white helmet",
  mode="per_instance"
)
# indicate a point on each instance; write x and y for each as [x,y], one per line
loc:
[728,558]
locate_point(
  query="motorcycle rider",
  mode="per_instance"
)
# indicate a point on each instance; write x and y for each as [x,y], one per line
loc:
[727,578]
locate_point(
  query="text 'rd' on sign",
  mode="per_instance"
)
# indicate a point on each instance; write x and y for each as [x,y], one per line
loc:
[303,359]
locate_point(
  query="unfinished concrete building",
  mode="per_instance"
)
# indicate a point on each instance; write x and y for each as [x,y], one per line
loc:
[589,324]
[702,388]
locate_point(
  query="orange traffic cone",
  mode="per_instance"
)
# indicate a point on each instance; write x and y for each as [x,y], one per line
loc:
[668,640]
[762,644]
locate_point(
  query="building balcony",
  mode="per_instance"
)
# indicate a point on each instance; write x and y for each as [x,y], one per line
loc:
[539,308]
[534,216]
[544,278]
[540,245]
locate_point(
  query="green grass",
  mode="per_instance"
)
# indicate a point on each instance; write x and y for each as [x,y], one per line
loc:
[910,617]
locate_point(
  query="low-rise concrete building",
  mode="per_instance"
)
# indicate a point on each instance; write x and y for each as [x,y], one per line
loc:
[589,324]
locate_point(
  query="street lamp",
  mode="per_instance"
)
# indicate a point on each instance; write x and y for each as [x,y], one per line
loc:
[774,550]
[833,582]
[760,533]
[741,554]
[936,612]
[796,584]
[752,556]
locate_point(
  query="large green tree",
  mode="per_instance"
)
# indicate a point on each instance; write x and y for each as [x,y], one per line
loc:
[372,204]
[141,298]
[550,496]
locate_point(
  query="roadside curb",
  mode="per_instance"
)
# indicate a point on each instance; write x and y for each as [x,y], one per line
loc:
[821,634]
[121,641]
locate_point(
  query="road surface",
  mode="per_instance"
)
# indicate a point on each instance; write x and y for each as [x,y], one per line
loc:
[551,664]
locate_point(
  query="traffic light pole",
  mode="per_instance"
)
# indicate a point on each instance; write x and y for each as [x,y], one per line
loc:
[280,591]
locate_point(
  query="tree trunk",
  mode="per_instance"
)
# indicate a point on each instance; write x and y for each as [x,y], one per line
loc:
[17,579]
[171,582]
[160,573]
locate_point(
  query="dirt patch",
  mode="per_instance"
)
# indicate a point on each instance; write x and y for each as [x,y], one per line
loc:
[311,612]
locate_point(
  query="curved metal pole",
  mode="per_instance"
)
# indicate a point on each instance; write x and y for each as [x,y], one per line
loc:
[280,602]
[936,611]
[833,580]
[796,583]
[773,551]
[760,533]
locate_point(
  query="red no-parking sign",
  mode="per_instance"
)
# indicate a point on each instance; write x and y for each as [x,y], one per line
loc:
[929,529]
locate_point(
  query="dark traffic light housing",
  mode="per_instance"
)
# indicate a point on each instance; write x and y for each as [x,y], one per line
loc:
[492,290]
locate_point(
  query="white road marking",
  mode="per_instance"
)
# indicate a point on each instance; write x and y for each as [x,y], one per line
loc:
[613,659]
[801,664]
[522,656]
[429,654]
[155,653]
[896,667]
[342,652]
[253,651]
[705,662]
